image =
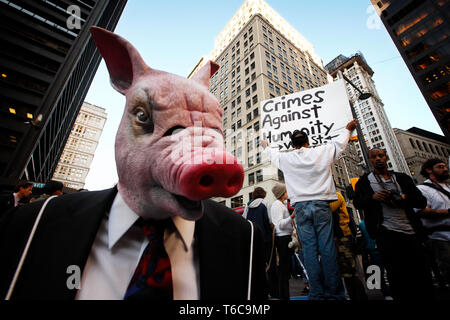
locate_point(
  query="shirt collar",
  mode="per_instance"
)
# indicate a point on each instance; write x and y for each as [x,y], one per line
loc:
[16,199]
[122,218]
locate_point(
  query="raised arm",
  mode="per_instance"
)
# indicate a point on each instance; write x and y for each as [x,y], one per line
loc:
[272,153]
[340,143]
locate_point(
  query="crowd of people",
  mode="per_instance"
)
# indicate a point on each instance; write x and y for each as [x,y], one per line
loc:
[404,231]
[25,193]
[308,232]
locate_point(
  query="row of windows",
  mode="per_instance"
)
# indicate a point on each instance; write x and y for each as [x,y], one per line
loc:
[295,62]
[421,29]
[235,82]
[429,147]
[251,177]
[431,58]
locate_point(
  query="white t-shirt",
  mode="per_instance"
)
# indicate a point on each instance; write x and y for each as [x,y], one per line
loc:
[436,200]
[307,171]
[281,219]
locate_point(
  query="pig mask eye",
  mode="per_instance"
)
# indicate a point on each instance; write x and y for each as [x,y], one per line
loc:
[143,119]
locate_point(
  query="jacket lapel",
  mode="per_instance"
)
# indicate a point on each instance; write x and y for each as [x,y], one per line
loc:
[67,231]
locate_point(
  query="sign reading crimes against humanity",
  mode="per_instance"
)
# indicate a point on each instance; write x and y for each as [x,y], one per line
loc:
[320,112]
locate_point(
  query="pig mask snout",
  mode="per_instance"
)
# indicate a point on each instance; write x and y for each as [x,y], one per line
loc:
[217,175]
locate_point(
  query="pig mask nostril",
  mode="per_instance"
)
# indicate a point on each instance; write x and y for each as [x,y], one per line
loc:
[173,130]
[206,181]
[234,181]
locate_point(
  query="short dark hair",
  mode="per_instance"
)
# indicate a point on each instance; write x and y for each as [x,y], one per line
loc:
[299,138]
[378,148]
[53,186]
[259,193]
[22,184]
[429,164]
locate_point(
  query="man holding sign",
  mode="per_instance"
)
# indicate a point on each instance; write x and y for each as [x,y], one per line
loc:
[309,182]
[310,185]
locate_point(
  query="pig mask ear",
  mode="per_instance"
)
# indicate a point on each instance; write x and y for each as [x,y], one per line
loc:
[205,73]
[122,59]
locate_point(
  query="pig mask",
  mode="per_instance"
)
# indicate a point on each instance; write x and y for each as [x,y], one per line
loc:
[169,147]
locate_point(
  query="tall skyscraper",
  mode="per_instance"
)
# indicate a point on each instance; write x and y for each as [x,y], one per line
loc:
[372,119]
[47,63]
[75,160]
[261,56]
[420,31]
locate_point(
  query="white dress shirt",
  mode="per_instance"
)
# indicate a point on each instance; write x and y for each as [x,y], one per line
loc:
[117,249]
[16,199]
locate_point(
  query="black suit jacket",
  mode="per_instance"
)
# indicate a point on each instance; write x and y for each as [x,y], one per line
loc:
[68,229]
[6,203]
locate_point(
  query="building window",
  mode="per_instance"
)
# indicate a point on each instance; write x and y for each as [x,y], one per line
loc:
[250,161]
[418,145]
[237,202]
[251,178]
[259,176]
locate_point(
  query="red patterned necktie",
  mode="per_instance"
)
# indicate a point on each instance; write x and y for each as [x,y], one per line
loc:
[152,278]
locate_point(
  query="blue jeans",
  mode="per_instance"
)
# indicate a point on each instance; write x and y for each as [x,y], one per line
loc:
[315,228]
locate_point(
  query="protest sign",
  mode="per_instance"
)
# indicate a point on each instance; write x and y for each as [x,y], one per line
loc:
[320,112]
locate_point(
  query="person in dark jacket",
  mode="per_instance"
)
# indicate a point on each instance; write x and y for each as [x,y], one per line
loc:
[22,190]
[387,199]
[52,188]
[257,212]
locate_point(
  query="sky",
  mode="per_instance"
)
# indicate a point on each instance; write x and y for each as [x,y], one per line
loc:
[173,36]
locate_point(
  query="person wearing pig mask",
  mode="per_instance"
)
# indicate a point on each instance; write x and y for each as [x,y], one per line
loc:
[155,235]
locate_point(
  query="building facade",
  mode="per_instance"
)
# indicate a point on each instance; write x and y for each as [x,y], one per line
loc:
[420,30]
[47,63]
[370,113]
[77,156]
[418,146]
[259,61]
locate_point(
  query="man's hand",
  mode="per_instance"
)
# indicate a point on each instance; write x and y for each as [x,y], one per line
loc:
[264,143]
[352,125]
[383,195]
